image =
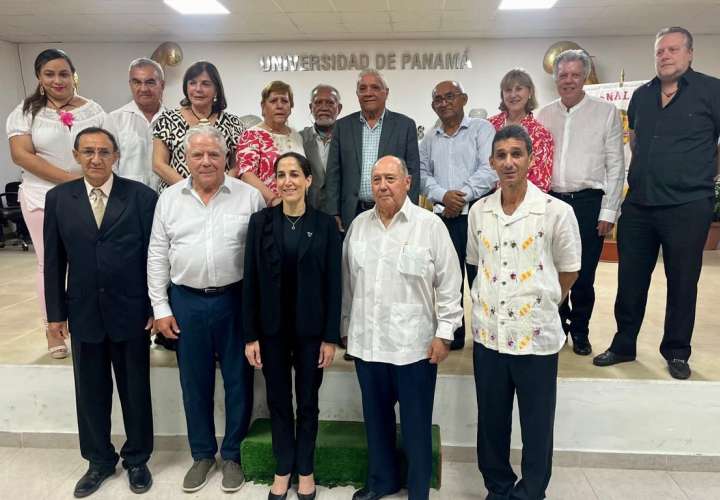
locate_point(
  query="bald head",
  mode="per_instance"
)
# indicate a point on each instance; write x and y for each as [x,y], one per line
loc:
[448,102]
[390,185]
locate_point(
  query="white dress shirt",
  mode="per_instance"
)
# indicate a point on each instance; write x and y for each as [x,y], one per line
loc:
[517,291]
[135,140]
[401,285]
[588,150]
[105,188]
[199,245]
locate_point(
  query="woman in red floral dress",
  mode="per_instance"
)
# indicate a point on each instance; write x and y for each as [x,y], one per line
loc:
[517,94]
[260,145]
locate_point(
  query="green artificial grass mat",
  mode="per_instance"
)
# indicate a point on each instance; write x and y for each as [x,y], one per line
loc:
[340,455]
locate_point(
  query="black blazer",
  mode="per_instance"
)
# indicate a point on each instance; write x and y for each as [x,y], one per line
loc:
[106,268]
[344,165]
[318,276]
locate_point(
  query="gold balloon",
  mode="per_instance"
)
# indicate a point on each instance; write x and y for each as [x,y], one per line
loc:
[558,48]
[555,50]
[168,54]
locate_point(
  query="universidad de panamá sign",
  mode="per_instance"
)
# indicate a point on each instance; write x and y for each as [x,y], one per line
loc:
[358,61]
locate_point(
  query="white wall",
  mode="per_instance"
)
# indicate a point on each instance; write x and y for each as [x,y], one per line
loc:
[102,68]
[9,98]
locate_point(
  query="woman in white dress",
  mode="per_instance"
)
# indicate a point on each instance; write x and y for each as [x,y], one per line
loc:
[41,131]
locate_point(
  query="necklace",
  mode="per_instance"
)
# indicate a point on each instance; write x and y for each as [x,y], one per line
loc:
[669,94]
[294,223]
[57,106]
[202,121]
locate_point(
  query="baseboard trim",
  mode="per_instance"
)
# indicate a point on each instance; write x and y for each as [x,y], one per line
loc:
[561,458]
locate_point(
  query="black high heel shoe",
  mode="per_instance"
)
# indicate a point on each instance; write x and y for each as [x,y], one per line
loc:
[273,496]
[309,496]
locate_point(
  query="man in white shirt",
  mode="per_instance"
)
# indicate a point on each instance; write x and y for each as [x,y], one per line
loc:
[525,247]
[588,174]
[132,124]
[197,248]
[401,305]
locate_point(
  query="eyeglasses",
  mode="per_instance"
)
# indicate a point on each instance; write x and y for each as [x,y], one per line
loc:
[448,98]
[139,83]
[89,154]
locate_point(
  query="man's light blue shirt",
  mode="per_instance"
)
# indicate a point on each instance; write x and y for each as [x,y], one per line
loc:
[458,162]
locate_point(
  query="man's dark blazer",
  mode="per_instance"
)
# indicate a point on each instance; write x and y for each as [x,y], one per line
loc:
[106,268]
[312,153]
[318,276]
[342,176]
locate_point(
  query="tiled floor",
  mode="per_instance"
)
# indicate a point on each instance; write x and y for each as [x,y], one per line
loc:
[38,474]
[22,342]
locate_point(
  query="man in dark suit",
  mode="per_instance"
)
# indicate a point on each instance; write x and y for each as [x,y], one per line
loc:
[359,139]
[96,233]
[325,107]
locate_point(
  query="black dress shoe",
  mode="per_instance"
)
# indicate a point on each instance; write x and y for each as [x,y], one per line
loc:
[366,494]
[139,478]
[91,481]
[273,496]
[582,347]
[609,358]
[456,345]
[679,369]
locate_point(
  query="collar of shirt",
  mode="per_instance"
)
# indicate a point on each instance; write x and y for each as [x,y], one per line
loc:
[685,79]
[465,123]
[379,122]
[534,202]
[226,186]
[525,122]
[405,211]
[133,108]
[574,109]
[105,188]
[321,135]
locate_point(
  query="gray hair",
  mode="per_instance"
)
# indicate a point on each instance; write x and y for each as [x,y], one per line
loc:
[207,131]
[676,29]
[373,72]
[573,55]
[333,91]
[400,160]
[456,83]
[142,62]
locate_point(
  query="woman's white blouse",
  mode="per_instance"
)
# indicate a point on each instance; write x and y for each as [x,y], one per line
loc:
[53,141]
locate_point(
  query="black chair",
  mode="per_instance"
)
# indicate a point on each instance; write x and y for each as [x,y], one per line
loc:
[10,212]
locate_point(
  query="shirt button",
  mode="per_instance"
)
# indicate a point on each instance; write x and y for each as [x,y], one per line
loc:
[102,290]
[503,283]
[502,302]
[505,263]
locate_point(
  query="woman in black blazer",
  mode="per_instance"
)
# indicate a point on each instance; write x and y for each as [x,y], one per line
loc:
[291,316]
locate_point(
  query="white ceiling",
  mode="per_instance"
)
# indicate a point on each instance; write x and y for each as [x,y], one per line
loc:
[29,21]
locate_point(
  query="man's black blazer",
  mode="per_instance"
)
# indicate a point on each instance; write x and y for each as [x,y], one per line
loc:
[106,268]
[344,165]
[318,276]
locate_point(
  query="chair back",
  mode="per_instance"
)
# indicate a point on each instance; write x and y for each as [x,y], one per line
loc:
[11,190]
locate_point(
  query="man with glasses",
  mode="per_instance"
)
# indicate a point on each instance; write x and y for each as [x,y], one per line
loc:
[132,124]
[97,231]
[359,139]
[455,169]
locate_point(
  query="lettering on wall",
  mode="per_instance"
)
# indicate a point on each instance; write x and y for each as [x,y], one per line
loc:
[409,61]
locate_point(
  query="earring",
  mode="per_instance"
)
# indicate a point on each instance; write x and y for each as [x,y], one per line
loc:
[215,99]
[42,90]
